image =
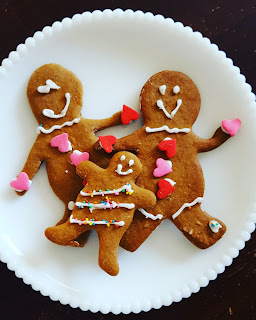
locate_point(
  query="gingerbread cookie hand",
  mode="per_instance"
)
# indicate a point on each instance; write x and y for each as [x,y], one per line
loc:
[106,204]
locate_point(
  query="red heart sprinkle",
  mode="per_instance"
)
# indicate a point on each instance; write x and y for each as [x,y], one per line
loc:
[128,115]
[165,189]
[169,146]
[107,142]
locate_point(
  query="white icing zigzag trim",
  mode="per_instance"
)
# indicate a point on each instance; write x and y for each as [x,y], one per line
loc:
[56,293]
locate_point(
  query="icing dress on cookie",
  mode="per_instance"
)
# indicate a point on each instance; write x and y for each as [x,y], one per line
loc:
[170,103]
[55,95]
[107,204]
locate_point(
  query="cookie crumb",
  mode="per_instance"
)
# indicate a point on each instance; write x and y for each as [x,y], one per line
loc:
[66,171]
[230,311]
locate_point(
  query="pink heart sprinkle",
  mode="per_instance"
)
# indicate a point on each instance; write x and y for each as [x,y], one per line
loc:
[231,126]
[162,167]
[77,156]
[61,141]
[21,183]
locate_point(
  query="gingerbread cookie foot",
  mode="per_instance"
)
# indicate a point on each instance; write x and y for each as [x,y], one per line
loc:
[199,227]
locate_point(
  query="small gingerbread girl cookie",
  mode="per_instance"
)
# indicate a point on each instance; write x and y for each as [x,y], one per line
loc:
[64,138]
[168,148]
[107,204]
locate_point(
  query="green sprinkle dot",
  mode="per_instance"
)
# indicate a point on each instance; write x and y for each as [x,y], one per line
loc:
[100,190]
[83,201]
[107,189]
[123,190]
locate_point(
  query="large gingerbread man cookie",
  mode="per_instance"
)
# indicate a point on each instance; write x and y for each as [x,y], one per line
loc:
[168,148]
[64,138]
[106,204]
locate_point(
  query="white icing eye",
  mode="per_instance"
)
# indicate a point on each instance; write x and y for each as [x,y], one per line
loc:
[131,162]
[43,89]
[49,85]
[162,89]
[122,157]
[52,84]
[176,89]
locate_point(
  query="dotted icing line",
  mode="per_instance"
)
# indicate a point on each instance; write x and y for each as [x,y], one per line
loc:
[93,222]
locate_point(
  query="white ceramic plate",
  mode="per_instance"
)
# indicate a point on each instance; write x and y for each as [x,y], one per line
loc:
[114,53]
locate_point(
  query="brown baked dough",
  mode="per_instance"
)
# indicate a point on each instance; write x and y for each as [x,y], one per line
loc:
[63,179]
[187,172]
[108,180]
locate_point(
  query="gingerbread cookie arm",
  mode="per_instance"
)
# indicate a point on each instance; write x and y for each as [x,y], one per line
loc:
[87,167]
[32,165]
[101,124]
[204,145]
[129,142]
[144,198]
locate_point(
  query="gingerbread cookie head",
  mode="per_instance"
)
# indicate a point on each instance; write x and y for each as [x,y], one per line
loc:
[55,94]
[170,98]
[125,164]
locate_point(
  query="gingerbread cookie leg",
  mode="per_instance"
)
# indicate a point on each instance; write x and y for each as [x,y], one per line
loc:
[138,232]
[197,225]
[108,250]
[65,233]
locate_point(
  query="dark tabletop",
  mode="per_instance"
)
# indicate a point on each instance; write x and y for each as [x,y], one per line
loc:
[230,24]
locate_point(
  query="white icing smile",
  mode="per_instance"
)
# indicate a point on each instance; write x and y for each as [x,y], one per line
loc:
[50,113]
[49,85]
[122,173]
[161,106]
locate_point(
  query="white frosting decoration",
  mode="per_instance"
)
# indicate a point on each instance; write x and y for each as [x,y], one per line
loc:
[127,187]
[122,173]
[170,181]
[91,223]
[186,205]
[105,205]
[56,126]
[176,89]
[71,205]
[162,89]
[149,215]
[160,105]
[50,113]
[29,181]
[166,128]
[214,226]
[122,157]
[131,162]
[49,85]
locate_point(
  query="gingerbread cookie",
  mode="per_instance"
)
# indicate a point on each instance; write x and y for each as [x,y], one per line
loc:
[64,138]
[168,148]
[106,204]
